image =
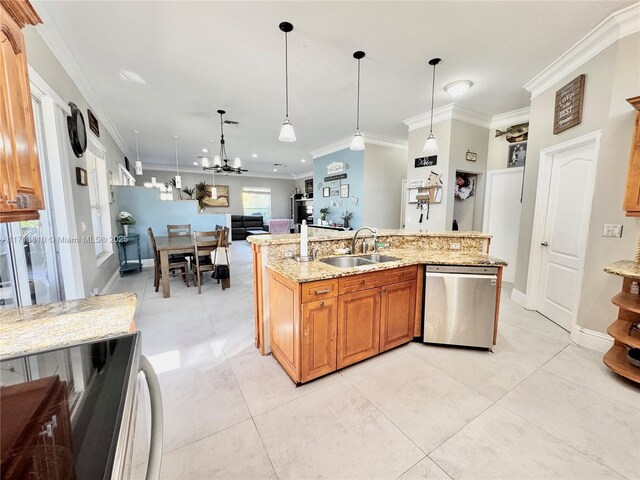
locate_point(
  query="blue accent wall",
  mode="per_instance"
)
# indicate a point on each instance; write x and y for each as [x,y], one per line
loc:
[149,211]
[355,180]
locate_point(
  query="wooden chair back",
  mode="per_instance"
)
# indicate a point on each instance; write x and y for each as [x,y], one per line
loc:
[218,227]
[178,230]
[205,243]
[154,248]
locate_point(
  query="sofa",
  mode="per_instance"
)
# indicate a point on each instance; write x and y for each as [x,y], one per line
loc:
[241,223]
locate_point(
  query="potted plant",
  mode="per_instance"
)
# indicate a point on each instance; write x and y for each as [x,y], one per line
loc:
[202,191]
[346,218]
[189,191]
[125,219]
[324,212]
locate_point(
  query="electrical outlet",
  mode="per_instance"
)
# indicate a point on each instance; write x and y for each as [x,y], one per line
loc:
[84,226]
[454,246]
[288,254]
[612,230]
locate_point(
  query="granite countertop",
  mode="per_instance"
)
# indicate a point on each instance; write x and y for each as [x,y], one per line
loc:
[624,268]
[317,237]
[317,270]
[27,330]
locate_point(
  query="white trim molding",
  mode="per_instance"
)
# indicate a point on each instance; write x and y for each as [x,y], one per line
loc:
[193,169]
[616,26]
[369,138]
[600,342]
[507,119]
[109,285]
[518,297]
[40,88]
[448,112]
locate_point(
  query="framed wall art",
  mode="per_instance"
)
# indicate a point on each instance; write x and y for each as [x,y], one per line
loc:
[517,154]
[81,176]
[326,191]
[344,191]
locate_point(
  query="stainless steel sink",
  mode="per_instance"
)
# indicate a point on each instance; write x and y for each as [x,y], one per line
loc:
[358,260]
[377,258]
[346,262]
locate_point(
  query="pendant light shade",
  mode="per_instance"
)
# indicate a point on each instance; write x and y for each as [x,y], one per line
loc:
[431,146]
[358,142]
[286,132]
[138,162]
[178,178]
[205,162]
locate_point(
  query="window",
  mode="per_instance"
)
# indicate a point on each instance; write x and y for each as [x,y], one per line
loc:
[257,200]
[99,200]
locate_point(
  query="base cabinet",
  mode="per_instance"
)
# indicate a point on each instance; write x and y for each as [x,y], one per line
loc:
[358,326]
[319,329]
[397,314]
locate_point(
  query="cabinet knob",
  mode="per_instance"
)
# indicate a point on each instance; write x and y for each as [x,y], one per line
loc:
[362,283]
[321,304]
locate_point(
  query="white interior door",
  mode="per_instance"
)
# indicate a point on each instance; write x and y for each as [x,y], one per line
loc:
[502,216]
[569,175]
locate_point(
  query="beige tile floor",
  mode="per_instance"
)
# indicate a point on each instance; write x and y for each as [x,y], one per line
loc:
[537,407]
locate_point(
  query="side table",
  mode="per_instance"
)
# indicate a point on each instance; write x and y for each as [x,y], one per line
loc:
[125,241]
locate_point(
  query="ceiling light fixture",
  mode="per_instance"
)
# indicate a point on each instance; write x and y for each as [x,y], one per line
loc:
[138,162]
[196,163]
[303,160]
[358,142]
[204,150]
[255,155]
[431,146]
[178,178]
[218,160]
[286,132]
[455,89]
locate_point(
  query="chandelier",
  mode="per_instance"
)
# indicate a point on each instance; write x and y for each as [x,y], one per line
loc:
[221,162]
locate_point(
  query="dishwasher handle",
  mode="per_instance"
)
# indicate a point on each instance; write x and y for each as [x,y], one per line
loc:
[461,275]
[157,424]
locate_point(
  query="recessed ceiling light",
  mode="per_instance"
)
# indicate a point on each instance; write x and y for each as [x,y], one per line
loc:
[195,163]
[255,155]
[303,160]
[456,89]
[204,150]
[275,169]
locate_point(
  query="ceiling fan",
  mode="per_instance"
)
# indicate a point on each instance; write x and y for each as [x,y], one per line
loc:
[221,162]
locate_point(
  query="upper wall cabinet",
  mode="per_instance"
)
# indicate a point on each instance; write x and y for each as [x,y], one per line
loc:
[20,184]
[632,192]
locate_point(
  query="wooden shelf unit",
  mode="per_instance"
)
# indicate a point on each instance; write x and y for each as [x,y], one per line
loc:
[616,360]
[620,331]
[627,301]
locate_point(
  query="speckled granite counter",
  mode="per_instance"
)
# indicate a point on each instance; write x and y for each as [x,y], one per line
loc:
[317,270]
[624,268]
[33,329]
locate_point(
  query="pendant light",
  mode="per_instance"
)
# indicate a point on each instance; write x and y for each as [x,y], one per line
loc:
[178,178]
[431,146]
[286,132]
[138,162]
[358,142]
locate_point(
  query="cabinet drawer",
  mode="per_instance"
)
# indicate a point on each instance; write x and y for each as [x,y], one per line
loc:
[356,283]
[319,290]
[401,274]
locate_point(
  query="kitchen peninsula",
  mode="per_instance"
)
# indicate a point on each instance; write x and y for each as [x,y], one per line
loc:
[316,318]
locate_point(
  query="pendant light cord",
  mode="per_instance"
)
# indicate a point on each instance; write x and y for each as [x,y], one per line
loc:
[137,151]
[177,169]
[286,74]
[433,87]
[358,101]
[223,150]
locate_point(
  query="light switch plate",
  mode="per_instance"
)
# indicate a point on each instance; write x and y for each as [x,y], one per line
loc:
[454,246]
[612,230]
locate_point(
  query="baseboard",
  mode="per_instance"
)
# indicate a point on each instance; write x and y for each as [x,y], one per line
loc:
[600,342]
[110,283]
[147,262]
[518,297]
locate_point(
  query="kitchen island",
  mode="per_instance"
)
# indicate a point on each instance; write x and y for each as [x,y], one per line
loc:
[316,318]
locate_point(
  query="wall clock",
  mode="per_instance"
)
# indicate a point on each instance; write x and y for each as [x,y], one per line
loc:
[77,130]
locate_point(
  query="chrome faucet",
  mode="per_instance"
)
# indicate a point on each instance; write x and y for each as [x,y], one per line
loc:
[355,236]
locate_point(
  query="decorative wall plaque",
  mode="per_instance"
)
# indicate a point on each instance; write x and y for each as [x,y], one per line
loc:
[568,107]
[426,161]
[331,178]
[93,123]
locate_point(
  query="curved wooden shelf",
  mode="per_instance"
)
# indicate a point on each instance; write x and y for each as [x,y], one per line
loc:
[627,301]
[620,331]
[616,360]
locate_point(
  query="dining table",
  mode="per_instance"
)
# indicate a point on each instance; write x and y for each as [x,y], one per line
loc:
[170,245]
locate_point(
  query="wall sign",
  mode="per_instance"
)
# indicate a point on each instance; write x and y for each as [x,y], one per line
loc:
[331,178]
[569,100]
[425,161]
[416,183]
[93,123]
[335,167]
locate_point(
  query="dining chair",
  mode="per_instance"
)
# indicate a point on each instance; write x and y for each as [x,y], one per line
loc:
[205,243]
[182,265]
[179,231]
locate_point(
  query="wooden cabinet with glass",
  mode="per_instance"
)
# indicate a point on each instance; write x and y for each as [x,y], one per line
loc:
[632,190]
[21,194]
[319,327]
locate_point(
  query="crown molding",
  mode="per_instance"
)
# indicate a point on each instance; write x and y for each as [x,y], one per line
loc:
[192,169]
[53,38]
[514,117]
[304,175]
[452,111]
[369,138]
[616,26]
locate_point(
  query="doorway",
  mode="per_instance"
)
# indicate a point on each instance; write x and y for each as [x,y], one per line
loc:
[561,221]
[464,201]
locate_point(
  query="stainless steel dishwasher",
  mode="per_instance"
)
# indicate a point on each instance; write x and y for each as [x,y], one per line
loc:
[460,305]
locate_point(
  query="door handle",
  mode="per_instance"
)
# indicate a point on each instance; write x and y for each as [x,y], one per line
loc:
[545,244]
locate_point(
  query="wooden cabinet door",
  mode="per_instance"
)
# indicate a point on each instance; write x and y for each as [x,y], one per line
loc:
[22,186]
[397,314]
[632,190]
[358,326]
[319,330]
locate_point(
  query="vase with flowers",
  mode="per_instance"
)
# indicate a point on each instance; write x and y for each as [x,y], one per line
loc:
[125,219]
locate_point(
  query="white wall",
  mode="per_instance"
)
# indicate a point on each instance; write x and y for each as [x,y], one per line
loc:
[384,170]
[280,188]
